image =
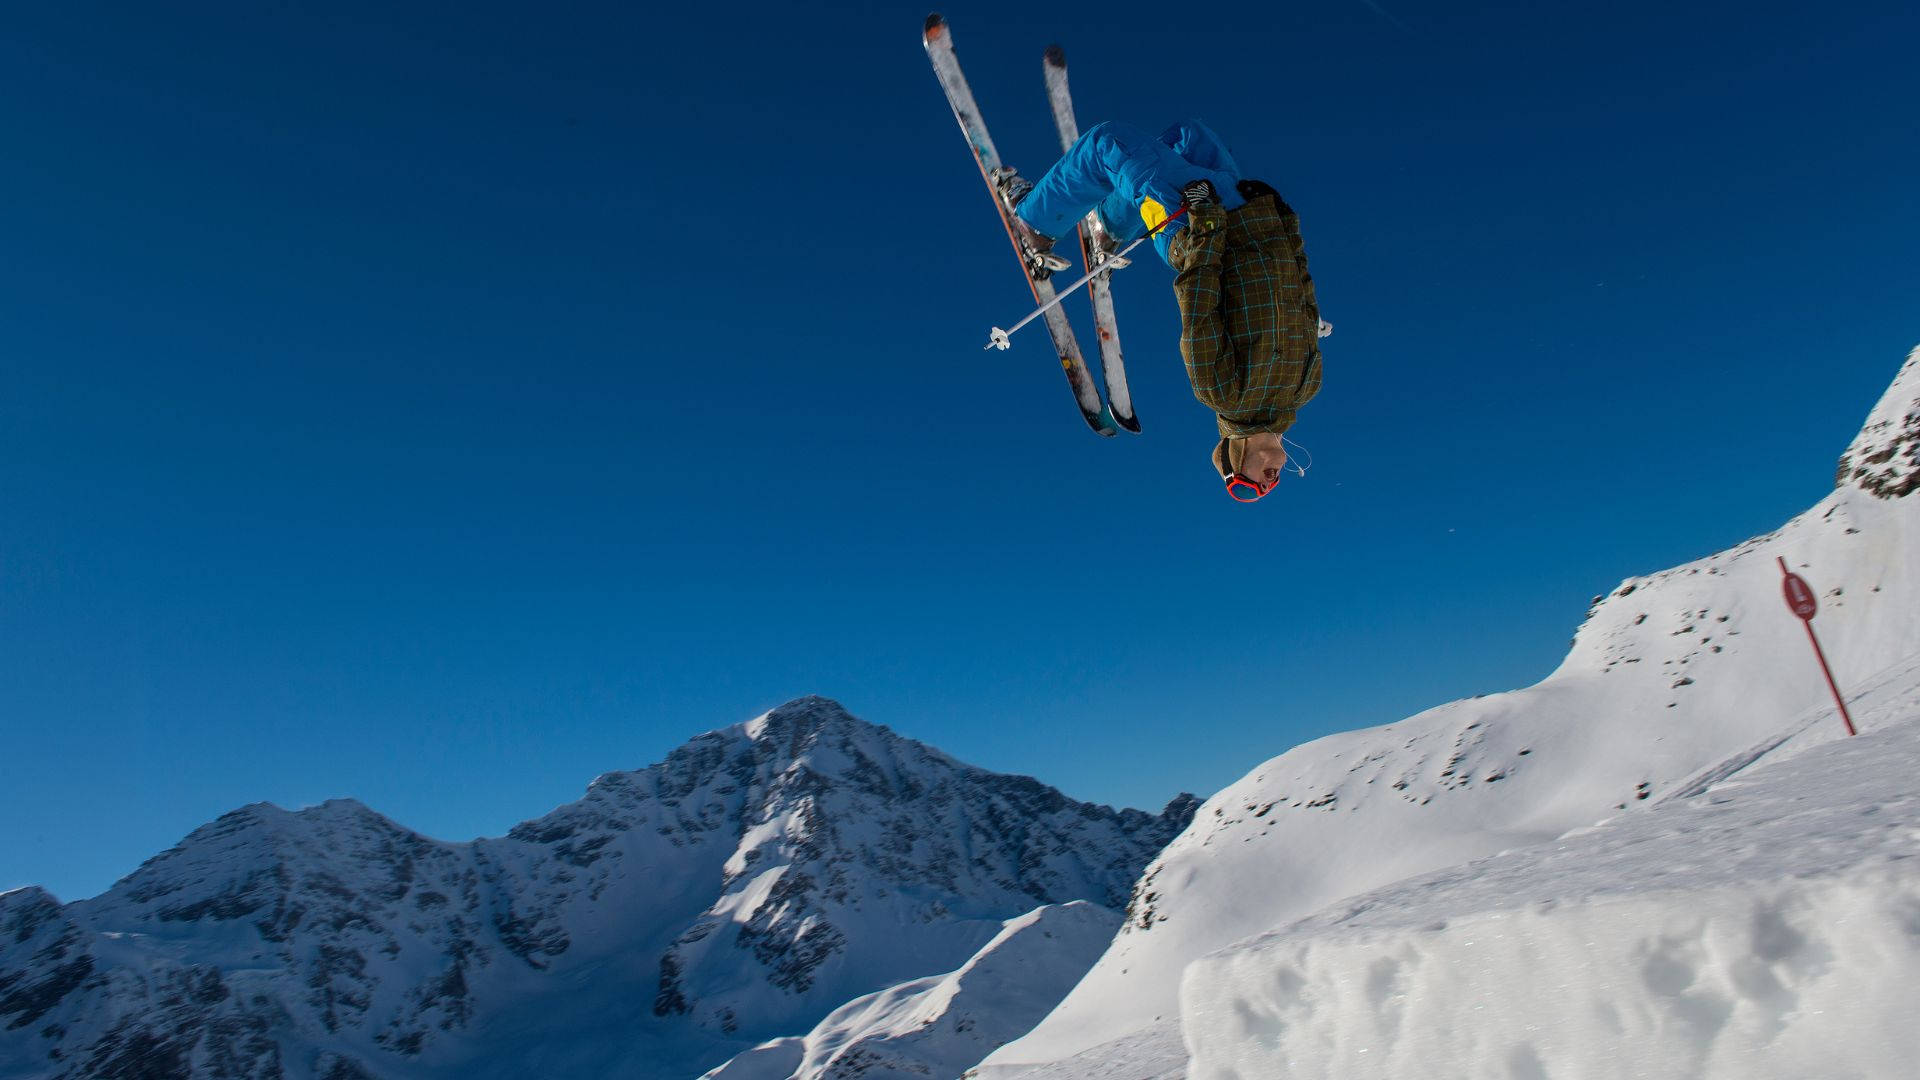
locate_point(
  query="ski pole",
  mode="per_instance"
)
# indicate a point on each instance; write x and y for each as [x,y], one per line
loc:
[1000,339]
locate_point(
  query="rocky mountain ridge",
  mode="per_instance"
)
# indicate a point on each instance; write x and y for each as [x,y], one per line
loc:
[759,877]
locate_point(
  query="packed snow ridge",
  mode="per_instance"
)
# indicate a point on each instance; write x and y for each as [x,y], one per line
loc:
[1243,955]
[746,888]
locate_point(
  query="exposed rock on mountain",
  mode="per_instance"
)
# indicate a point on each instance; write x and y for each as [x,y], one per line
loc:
[1884,459]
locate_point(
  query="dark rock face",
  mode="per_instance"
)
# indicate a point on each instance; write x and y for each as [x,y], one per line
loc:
[43,957]
[744,887]
[1884,459]
[97,1019]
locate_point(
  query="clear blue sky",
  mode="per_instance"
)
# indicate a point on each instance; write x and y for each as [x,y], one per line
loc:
[439,408]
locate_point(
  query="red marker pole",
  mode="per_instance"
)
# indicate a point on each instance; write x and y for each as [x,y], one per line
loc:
[1801,602]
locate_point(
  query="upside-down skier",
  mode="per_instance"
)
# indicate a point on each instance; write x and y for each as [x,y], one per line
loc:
[1250,326]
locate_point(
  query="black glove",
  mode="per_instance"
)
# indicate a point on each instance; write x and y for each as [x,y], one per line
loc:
[1198,194]
[1202,204]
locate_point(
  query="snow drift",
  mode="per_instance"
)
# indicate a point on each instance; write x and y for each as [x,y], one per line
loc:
[938,1026]
[1766,928]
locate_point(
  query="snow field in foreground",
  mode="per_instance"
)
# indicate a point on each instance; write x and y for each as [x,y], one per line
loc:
[1801,980]
[1769,927]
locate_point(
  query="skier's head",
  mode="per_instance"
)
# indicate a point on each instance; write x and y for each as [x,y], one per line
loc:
[1250,467]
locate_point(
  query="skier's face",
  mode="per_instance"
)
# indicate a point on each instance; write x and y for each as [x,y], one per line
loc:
[1251,465]
[1264,467]
[1265,457]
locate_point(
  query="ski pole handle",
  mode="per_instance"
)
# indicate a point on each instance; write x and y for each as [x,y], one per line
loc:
[1001,339]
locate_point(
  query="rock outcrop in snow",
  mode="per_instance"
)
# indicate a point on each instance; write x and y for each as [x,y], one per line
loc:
[1884,459]
[743,889]
[1674,680]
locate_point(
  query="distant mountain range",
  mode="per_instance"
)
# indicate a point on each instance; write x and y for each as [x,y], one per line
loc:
[745,888]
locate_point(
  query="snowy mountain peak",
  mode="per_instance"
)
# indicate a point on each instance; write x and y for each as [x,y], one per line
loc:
[792,725]
[43,956]
[845,824]
[21,908]
[1884,459]
[813,740]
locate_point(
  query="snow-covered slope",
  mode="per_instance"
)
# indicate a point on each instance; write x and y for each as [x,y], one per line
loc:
[743,889]
[1673,679]
[1768,927]
[937,1026]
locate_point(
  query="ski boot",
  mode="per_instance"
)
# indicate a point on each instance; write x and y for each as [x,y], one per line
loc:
[1103,248]
[1036,247]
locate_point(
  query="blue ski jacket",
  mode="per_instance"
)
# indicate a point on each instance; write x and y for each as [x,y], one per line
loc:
[1133,178]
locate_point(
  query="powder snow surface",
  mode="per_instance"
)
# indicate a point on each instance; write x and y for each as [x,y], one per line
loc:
[938,1026]
[1769,927]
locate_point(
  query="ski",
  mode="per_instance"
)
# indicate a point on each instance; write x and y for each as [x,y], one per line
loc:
[1095,247]
[938,38]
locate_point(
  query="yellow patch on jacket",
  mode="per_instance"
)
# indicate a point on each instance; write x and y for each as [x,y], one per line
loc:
[1153,214]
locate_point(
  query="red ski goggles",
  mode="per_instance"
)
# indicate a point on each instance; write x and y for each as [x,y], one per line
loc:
[1242,489]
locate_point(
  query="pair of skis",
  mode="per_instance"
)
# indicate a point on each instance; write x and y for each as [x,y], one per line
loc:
[1096,247]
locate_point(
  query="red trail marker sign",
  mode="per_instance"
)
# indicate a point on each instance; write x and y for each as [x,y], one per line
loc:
[1801,601]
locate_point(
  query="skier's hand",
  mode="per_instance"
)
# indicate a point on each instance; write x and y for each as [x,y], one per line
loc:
[1198,193]
[1203,206]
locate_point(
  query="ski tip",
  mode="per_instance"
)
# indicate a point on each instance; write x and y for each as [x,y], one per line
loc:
[1101,423]
[934,28]
[1131,423]
[1056,56]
